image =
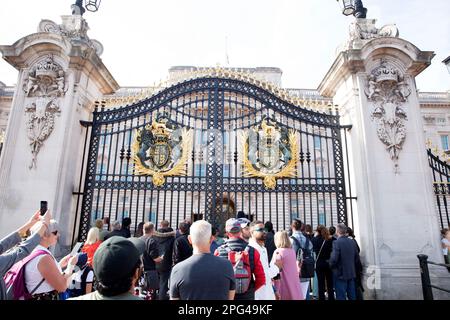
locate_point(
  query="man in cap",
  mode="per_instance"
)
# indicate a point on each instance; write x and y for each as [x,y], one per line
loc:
[237,244]
[117,267]
[245,228]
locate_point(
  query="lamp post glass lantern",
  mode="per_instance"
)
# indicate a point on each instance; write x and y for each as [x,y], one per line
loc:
[92,5]
[348,7]
[447,63]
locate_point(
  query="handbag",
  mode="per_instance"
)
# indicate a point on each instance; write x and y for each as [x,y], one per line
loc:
[151,279]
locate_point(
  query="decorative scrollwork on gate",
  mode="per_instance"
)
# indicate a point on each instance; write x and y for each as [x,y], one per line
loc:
[161,149]
[270,152]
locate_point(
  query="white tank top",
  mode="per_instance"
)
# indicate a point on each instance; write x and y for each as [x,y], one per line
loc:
[33,276]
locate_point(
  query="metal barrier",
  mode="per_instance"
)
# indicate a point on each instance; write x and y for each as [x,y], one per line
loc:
[425,276]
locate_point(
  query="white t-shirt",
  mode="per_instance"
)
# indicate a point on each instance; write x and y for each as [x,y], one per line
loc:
[445,249]
[76,279]
[33,276]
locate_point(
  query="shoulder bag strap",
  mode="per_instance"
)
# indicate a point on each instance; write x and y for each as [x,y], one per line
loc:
[318,255]
[39,284]
[299,246]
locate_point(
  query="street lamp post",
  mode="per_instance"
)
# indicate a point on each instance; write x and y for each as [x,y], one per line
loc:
[91,5]
[353,7]
[447,63]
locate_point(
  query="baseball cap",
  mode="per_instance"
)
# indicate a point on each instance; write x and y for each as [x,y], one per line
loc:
[116,258]
[232,225]
[244,222]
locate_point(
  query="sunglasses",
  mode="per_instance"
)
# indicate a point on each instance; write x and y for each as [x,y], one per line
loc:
[261,229]
[55,232]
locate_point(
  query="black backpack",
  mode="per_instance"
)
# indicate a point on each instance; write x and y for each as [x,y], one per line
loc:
[305,255]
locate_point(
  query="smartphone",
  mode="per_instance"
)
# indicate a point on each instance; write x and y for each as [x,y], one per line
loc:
[44,207]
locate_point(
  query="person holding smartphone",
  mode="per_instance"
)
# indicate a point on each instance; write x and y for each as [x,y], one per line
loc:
[22,249]
[43,274]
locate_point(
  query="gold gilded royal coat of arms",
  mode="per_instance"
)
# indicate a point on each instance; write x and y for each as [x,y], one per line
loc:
[270,152]
[161,149]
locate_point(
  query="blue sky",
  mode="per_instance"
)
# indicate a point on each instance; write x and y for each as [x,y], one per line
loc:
[142,39]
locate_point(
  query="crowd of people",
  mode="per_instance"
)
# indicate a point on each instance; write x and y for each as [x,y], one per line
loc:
[249,262]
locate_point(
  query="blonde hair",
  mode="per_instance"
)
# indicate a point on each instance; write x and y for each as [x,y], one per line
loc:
[99,224]
[281,239]
[93,236]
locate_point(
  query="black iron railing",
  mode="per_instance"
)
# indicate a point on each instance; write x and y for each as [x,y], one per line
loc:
[427,287]
[441,187]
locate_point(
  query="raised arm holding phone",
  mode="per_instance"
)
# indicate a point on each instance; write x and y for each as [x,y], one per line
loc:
[9,258]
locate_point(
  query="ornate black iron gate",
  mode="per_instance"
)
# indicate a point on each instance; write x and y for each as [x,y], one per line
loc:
[215,183]
[441,186]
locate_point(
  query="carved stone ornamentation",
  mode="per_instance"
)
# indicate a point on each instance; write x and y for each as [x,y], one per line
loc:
[388,91]
[40,123]
[362,31]
[45,79]
[45,84]
[73,27]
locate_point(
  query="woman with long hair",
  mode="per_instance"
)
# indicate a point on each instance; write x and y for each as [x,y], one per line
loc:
[288,286]
[91,244]
[322,246]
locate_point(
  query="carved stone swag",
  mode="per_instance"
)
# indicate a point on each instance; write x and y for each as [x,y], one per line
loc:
[388,91]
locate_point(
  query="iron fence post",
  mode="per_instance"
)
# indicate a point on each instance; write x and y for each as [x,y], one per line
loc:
[425,276]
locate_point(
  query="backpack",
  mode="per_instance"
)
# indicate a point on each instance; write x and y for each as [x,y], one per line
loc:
[304,255]
[16,288]
[243,266]
[75,291]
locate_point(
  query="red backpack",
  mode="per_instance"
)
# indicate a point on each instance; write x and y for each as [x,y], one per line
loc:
[15,278]
[242,262]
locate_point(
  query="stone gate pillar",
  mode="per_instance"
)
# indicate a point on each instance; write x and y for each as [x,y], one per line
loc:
[373,82]
[60,76]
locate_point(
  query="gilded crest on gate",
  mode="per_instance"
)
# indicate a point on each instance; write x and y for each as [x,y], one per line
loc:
[161,149]
[270,151]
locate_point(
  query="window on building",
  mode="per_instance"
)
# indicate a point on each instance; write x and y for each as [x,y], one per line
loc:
[444,142]
[294,209]
[319,173]
[321,211]
[200,170]
[127,171]
[225,139]
[226,170]
[201,137]
[317,143]
[104,141]
[322,218]
[124,198]
[151,216]
[101,171]
[96,214]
